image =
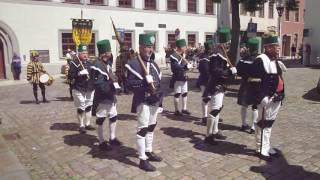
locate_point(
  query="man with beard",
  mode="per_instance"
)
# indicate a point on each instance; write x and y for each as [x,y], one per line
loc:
[204,76]
[144,80]
[269,70]
[82,89]
[105,85]
[179,81]
[250,85]
[220,69]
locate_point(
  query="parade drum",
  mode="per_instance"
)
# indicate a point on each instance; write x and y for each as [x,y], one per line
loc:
[46,79]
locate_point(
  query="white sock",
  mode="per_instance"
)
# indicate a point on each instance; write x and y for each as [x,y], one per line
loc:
[216,124]
[184,103]
[204,109]
[255,115]
[176,103]
[80,117]
[112,129]
[100,134]
[244,115]
[141,144]
[210,123]
[149,141]
[88,118]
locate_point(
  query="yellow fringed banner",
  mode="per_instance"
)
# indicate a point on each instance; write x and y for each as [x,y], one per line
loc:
[81,31]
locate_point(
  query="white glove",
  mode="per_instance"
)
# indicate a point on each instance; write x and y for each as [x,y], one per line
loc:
[189,66]
[83,72]
[233,70]
[265,101]
[149,79]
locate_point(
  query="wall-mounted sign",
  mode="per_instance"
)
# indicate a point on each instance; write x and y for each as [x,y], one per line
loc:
[138,24]
[44,56]
[162,25]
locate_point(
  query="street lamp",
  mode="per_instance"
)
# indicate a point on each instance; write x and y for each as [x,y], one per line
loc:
[280,9]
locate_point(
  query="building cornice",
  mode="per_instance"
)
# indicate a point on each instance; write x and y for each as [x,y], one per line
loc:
[103,7]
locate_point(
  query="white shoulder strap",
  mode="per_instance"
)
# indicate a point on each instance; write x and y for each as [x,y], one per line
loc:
[269,66]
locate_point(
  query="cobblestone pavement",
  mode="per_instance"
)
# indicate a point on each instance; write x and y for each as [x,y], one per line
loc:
[45,138]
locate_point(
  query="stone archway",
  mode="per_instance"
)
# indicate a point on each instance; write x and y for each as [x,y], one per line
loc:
[10,44]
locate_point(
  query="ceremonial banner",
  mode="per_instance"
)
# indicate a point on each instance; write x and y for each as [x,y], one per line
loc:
[81,31]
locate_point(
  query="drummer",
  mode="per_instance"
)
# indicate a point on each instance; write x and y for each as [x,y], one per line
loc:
[34,70]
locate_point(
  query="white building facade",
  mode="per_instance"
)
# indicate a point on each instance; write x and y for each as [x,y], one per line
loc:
[27,25]
[312,31]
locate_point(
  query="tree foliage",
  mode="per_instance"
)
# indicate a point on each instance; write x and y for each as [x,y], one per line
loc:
[250,6]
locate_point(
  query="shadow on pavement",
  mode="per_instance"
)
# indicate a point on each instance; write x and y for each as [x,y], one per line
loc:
[120,154]
[65,126]
[279,168]
[124,117]
[62,99]
[27,102]
[222,148]
[185,118]
[312,95]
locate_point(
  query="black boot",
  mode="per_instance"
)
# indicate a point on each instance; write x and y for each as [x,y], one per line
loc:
[70,91]
[204,120]
[210,140]
[145,165]
[153,157]
[44,97]
[36,97]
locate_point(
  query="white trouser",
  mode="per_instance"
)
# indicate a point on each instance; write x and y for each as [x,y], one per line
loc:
[213,121]
[82,100]
[104,110]
[147,116]
[269,113]
[244,116]
[180,87]
[204,105]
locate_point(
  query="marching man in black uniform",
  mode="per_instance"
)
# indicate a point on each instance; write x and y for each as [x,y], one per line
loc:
[82,91]
[144,80]
[34,70]
[220,70]
[179,67]
[271,94]
[250,86]
[204,76]
[105,95]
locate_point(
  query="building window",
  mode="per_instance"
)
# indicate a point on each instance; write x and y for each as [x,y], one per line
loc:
[191,40]
[125,3]
[296,15]
[150,4]
[172,5]
[271,10]
[97,2]
[209,7]
[287,14]
[128,39]
[242,10]
[72,1]
[67,43]
[192,6]
[172,40]
[261,11]
[209,37]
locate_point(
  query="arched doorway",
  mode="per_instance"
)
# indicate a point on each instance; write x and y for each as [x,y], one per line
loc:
[8,45]
[2,62]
